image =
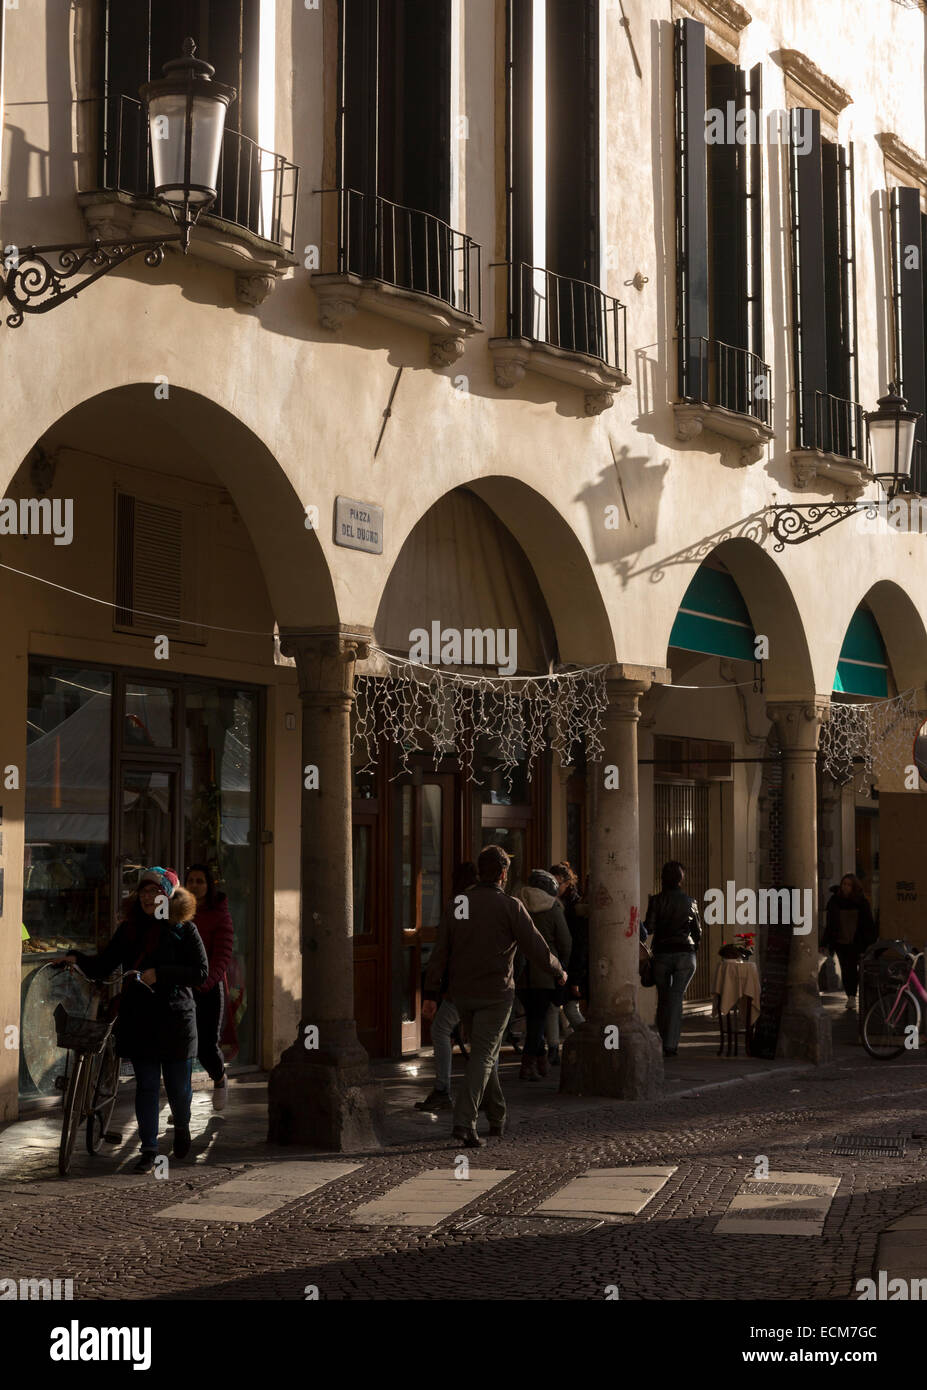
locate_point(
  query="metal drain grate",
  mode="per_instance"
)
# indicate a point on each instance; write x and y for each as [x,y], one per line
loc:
[869,1146]
[495,1226]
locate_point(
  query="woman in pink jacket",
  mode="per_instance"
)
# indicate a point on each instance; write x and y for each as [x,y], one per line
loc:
[215,927]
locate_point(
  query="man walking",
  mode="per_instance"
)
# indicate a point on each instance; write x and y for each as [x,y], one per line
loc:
[478,935]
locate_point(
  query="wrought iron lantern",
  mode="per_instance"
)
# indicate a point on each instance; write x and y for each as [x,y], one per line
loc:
[186,117]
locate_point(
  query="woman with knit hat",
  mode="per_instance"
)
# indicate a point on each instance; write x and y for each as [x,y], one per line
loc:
[161,954]
[532,985]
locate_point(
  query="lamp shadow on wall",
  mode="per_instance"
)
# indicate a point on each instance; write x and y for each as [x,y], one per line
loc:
[618,532]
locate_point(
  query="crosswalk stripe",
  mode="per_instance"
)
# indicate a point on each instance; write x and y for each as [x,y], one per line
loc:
[259,1191]
[429,1198]
[607,1192]
[756,1210]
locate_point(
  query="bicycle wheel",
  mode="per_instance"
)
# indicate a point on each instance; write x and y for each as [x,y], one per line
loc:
[884,1037]
[73,1110]
[103,1090]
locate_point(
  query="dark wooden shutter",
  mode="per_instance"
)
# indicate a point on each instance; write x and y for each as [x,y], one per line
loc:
[126,66]
[691,210]
[846,206]
[519,144]
[727,195]
[808,315]
[908,295]
[358,128]
[754,192]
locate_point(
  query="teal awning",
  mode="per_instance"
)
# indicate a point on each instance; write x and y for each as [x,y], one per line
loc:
[713,618]
[863,665]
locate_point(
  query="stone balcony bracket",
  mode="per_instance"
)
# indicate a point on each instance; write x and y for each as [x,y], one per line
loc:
[513,357]
[695,418]
[342,296]
[811,466]
[257,264]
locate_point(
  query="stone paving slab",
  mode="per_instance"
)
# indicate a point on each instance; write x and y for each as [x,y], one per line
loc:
[430,1197]
[258,1192]
[756,1210]
[608,1192]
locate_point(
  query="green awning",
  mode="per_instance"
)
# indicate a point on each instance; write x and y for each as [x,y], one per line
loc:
[713,618]
[863,665]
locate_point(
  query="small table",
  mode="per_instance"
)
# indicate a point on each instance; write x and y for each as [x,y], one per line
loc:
[737,984]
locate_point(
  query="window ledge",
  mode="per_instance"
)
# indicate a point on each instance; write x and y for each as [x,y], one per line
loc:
[258,264]
[692,417]
[340,297]
[514,356]
[809,465]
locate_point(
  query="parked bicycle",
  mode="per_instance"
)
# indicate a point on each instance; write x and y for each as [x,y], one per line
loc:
[887,1027]
[91,1077]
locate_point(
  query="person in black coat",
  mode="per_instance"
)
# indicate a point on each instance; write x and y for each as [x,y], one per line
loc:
[672,919]
[160,950]
[849,929]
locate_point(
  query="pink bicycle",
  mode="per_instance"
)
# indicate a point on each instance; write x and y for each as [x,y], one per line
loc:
[895,1017]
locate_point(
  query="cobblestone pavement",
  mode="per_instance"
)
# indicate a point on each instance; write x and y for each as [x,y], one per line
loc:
[97,1227]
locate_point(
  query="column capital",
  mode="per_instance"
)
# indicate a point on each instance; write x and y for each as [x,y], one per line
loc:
[325,657]
[799,722]
[644,676]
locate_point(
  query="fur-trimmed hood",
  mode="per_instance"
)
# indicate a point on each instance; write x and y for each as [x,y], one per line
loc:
[181,906]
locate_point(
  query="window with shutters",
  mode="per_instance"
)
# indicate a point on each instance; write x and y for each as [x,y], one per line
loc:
[388,219]
[719,236]
[553,268]
[827,411]
[908,243]
[155,569]
[256,188]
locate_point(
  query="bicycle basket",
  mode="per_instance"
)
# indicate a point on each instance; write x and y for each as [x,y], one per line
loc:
[80,1034]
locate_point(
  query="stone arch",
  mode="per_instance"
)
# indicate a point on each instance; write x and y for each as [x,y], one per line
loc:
[558,560]
[903,631]
[189,424]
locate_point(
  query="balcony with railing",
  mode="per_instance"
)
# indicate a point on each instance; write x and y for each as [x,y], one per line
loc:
[400,262]
[251,225]
[830,440]
[725,390]
[567,329]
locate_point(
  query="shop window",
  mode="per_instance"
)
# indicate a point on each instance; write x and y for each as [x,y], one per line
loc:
[692,759]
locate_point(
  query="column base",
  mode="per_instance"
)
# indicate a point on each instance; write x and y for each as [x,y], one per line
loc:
[632,1071]
[324,1097]
[805,1035]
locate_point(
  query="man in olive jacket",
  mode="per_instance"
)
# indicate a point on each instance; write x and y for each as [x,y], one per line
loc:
[478,936]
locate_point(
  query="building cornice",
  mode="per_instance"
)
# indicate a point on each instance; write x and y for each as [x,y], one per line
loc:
[903,157]
[802,73]
[724,20]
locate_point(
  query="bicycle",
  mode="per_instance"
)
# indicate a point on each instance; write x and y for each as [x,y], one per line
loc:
[94,1074]
[886,1027]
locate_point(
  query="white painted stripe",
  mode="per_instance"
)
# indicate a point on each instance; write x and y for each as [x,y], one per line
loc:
[608,1192]
[259,1191]
[429,1198]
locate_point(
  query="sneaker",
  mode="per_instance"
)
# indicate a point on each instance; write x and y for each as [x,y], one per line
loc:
[220,1093]
[435,1100]
[182,1141]
[145,1162]
[851,1002]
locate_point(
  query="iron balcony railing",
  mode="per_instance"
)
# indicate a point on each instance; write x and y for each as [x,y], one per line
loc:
[257,189]
[376,239]
[569,314]
[715,373]
[831,424]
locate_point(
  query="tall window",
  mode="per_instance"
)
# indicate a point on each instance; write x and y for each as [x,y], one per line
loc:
[719,228]
[909,286]
[553,171]
[824,290]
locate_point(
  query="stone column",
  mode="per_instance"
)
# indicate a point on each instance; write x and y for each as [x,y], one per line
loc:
[592,1065]
[320,1091]
[804,1029]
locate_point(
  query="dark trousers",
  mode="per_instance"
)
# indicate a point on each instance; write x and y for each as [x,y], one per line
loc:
[848,957]
[485,1021]
[210,1008]
[536,1002]
[148,1096]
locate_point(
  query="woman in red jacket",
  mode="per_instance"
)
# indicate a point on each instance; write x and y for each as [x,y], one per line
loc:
[215,927]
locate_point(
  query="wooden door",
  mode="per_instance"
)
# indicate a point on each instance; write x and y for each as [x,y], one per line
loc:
[427,838]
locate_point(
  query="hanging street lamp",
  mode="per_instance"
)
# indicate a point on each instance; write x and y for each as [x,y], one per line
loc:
[186,122]
[890,442]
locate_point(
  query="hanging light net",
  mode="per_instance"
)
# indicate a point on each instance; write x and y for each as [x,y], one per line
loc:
[419,708]
[870,741]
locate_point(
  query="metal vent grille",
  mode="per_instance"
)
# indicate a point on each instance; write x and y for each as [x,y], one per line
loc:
[870,1146]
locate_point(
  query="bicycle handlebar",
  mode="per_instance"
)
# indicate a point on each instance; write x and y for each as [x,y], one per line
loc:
[72,965]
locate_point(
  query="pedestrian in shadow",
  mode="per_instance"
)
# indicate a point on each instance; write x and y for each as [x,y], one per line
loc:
[672,920]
